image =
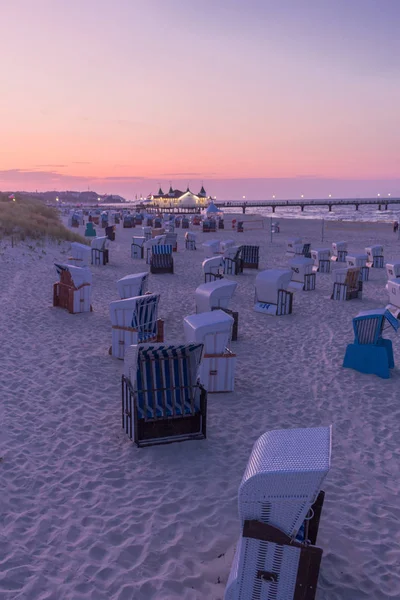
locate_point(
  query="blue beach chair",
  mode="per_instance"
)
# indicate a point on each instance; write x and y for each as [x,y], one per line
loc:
[371,353]
[161,260]
[162,400]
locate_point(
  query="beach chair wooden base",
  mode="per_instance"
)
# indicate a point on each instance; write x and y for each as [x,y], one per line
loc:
[293,574]
[163,429]
[341,291]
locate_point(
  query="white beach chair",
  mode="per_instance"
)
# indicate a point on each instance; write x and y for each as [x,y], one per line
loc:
[272,295]
[339,251]
[280,504]
[322,260]
[80,254]
[360,261]
[172,239]
[211,247]
[74,290]
[303,277]
[393,270]
[134,285]
[190,240]
[135,321]
[375,257]
[214,330]
[347,284]
[99,249]
[233,264]
[213,268]
[215,294]
[292,244]
[162,401]
[137,247]
[146,232]
[393,290]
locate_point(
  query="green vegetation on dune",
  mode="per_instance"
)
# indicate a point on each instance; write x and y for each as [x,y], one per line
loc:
[27,217]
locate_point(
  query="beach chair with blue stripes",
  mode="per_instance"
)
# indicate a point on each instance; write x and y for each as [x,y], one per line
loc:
[250,256]
[135,321]
[371,353]
[162,400]
[280,505]
[161,260]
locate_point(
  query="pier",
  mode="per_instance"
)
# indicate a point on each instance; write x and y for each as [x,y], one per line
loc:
[382,203]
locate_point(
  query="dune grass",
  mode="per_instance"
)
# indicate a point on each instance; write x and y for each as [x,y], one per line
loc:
[30,218]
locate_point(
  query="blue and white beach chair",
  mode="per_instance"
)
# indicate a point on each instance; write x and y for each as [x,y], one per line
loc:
[161,260]
[135,321]
[162,401]
[371,353]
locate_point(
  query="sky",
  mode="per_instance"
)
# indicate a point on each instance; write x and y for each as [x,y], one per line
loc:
[252,98]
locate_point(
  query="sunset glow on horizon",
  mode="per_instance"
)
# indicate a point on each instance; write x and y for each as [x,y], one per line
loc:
[251,97]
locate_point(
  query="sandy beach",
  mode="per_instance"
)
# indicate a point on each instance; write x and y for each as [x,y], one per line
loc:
[86,515]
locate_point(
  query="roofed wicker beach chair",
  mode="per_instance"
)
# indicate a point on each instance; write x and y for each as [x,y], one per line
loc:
[371,353]
[292,245]
[375,257]
[213,268]
[215,294]
[162,400]
[149,244]
[303,276]
[80,254]
[272,292]
[393,270]
[347,284]
[322,260]
[134,285]
[135,321]
[74,290]
[161,260]
[185,223]
[250,256]
[339,251]
[100,254]
[172,238]
[280,504]
[393,289]
[232,261]
[214,330]
[190,240]
[360,261]
[137,247]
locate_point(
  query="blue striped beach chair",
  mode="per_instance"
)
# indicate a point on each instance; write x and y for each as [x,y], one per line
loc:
[162,400]
[161,260]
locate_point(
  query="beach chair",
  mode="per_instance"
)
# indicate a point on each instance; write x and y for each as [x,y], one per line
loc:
[138,219]
[74,290]
[393,289]
[223,246]
[375,257]
[172,239]
[272,292]
[131,286]
[185,223]
[371,353]
[232,261]
[347,284]
[213,268]
[90,230]
[221,224]
[149,244]
[162,401]
[128,222]
[393,270]
[146,232]
[190,240]
[135,321]
[292,245]
[250,256]
[110,232]
[339,251]
[360,261]
[161,260]
[215,294]
[322,260]
[214,330]
[303,276]
[80,254]
[137,247]
[280,505]
[211,247]
[100,255]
